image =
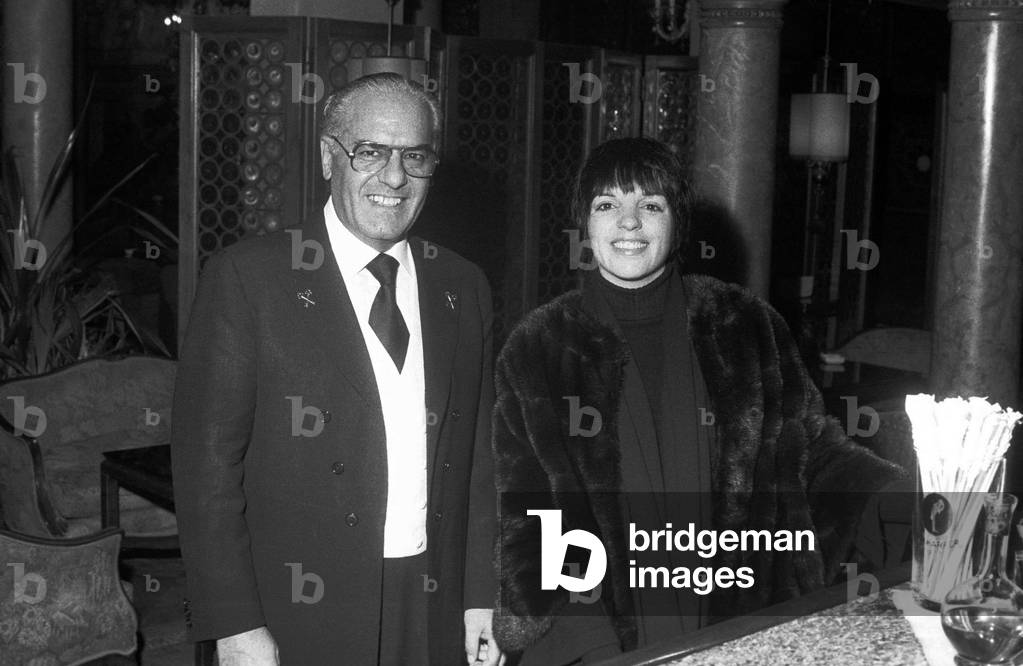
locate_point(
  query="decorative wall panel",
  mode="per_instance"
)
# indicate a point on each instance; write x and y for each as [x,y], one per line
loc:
[621,111]
[241,129]
[672,84]
[565,140]
[488,155]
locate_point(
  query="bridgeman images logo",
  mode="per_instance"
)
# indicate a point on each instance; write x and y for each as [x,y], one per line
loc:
[705,543]
[554,545]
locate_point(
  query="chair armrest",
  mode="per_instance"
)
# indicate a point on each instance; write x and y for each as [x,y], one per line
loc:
[70,541]
[67,601]
[24,492]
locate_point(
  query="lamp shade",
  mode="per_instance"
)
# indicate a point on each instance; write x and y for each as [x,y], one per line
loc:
[413,69]
[799,127]
[819,127]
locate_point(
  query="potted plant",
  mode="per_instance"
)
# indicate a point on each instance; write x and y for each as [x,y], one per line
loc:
[54,310]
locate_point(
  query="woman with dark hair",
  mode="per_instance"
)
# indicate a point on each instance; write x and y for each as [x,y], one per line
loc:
[688,385]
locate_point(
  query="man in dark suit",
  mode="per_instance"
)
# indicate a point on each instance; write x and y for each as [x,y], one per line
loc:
[331,437]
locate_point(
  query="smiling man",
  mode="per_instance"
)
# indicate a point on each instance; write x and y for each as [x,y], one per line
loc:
[331,447]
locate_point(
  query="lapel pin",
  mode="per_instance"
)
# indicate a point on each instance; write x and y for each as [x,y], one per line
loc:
[452,298]
[306,296]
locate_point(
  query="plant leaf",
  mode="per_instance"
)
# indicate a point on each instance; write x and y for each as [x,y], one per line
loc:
[60,166]
[109,193]
[149,217]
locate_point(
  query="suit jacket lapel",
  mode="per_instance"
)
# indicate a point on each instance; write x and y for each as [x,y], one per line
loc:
[439,311]
[338,328]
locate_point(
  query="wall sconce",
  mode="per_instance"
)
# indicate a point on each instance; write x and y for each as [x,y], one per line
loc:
[671,22]
[819,134]
[819,128]
[413,69]
[819,121]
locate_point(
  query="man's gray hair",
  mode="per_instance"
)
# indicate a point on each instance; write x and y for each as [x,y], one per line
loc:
[340,104]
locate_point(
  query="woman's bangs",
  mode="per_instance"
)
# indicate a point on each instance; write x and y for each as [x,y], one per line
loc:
[628,176]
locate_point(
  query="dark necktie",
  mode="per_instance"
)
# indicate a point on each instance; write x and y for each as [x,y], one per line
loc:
[384,317]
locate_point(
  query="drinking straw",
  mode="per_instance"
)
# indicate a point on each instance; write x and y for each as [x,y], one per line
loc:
[960,448]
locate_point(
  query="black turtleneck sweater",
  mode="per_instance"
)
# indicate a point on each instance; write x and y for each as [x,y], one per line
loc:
[665,472]
[640,314]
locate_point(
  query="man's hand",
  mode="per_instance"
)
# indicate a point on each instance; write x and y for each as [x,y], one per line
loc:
[478,624]
[252,648]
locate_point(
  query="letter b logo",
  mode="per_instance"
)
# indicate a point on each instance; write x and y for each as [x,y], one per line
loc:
[298,252]
[298,414]
[575,418]
[21,81]
[22,581]
[21,414]
[575,251]
[299,79]
[854,579]
[554,545]
[853,248]
[853,414]
[576,79]
[298,581]
[29,253]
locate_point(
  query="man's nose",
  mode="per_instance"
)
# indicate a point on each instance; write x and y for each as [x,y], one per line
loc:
[393,174]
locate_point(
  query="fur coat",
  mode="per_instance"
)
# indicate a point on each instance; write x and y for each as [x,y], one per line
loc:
[778,461]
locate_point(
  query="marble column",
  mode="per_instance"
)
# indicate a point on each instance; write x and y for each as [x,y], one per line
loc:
[737,109]
[979,271]
[37,100]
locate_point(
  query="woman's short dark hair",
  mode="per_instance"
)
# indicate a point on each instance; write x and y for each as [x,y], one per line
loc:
[635,162]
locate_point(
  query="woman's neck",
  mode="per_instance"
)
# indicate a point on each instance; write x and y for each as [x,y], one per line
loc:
[642,303]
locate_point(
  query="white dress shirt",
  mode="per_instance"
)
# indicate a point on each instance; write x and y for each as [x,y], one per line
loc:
[402,395]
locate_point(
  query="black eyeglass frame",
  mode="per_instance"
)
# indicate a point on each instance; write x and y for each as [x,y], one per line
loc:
[350,154]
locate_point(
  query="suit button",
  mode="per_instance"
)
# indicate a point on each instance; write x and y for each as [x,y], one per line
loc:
[338,468]
[447,466]
[351,520]
[437,516]
[326,415]
[455,414]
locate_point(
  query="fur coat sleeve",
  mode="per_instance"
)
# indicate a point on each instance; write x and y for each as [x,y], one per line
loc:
[778,463]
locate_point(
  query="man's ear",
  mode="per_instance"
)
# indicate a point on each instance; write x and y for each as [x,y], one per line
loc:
[326,158]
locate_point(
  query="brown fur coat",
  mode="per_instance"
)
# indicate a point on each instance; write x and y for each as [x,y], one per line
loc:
[779,462]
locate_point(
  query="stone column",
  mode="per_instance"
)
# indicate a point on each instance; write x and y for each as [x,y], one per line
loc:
[737,111]
[979,272]
[37,101]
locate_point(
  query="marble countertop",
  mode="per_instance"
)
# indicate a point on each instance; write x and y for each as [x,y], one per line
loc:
[827,626]
[863,631]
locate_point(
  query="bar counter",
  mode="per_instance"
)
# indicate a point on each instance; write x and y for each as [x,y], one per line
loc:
[823,627]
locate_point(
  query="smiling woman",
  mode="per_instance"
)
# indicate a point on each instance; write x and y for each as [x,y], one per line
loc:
[633,204]
[630,235]
[697,401]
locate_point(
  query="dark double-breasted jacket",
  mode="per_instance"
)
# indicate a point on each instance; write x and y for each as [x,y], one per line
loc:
[280,459]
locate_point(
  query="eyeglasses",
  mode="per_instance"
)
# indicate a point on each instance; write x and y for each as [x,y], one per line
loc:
[368,157]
